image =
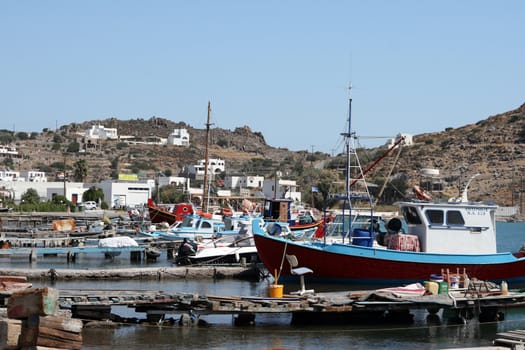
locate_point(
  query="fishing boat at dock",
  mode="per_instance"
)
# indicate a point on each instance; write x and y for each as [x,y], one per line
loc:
[458,235]
[169,214]
[280,209]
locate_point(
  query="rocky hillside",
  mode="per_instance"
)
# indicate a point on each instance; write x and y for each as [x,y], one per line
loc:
[493,147]
[244,150]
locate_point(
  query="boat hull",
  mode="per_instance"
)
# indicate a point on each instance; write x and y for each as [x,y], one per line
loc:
[340,263]
[158,214]
[298,226]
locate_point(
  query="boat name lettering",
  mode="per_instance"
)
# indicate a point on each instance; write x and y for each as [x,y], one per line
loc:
[476,211]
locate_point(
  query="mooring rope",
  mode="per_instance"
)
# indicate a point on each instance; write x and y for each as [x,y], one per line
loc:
[282,262]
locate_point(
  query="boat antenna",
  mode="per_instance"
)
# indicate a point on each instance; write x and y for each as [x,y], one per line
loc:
[464,195]
[205,183]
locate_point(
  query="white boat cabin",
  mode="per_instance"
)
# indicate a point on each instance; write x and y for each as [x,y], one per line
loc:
[453,228]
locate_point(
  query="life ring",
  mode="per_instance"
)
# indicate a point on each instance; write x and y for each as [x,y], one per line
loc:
[421,194]
[227,212]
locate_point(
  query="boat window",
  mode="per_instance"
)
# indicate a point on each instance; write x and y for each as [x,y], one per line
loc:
[411,216]
[435,216]
[206,224]
[454,217]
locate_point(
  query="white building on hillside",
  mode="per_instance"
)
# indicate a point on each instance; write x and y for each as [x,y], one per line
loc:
[409,140]
[8,175]
[100,132]
[281,189]
[244,181]
[174,181]
[34,176]
[179,137]
[215,166]
[8,151]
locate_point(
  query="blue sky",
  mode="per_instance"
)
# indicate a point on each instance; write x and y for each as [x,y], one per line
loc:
[280,67]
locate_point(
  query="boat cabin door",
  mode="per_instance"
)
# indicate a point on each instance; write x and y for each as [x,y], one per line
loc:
[283,211]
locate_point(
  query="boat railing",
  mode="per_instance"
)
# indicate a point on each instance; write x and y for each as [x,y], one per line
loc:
[460,227]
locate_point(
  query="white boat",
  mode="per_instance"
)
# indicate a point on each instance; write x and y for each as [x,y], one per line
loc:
[194,227]
[230,248]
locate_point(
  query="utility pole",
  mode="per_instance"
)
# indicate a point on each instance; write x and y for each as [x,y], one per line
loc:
[205,184]
[65,154]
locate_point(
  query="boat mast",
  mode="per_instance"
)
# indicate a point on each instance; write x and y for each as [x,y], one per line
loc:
[205,183]
[356,186]
[348,136]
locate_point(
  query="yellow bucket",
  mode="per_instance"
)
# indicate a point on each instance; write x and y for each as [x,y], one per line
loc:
[276,290]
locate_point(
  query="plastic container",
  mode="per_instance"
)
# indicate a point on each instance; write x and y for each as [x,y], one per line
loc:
[454,282]
[504,288]
[436,278]
[361,238]
[443,287]
[432,287]
[276,290]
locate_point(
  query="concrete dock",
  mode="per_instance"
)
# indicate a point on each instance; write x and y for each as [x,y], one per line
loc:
[248,272]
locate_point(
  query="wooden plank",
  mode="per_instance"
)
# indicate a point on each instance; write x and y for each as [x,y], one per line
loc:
[62,323]
[58,343]
[51,333]
[9,332]
[38,301]
[19,279]
[29,332]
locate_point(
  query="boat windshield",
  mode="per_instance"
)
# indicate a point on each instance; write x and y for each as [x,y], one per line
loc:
[437,217]
[188,221]
[411,216]
[340,225]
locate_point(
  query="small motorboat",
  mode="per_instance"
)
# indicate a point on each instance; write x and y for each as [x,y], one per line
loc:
[152,253]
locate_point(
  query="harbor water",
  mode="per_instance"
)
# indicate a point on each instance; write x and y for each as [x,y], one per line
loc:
[275,331]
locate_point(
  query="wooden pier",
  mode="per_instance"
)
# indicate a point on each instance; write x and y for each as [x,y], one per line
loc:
[308,309]
[59,310]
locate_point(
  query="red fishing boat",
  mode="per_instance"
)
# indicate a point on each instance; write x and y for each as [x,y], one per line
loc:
[169,213]
[457,235]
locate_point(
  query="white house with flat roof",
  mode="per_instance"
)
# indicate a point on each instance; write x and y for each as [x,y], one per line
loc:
[47,190]
[179,137]
[279,188]
[34,176]
[122,194]
[409,140]
[8,175]
[100,132]
[215,166]
[173,181]
[250,181]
